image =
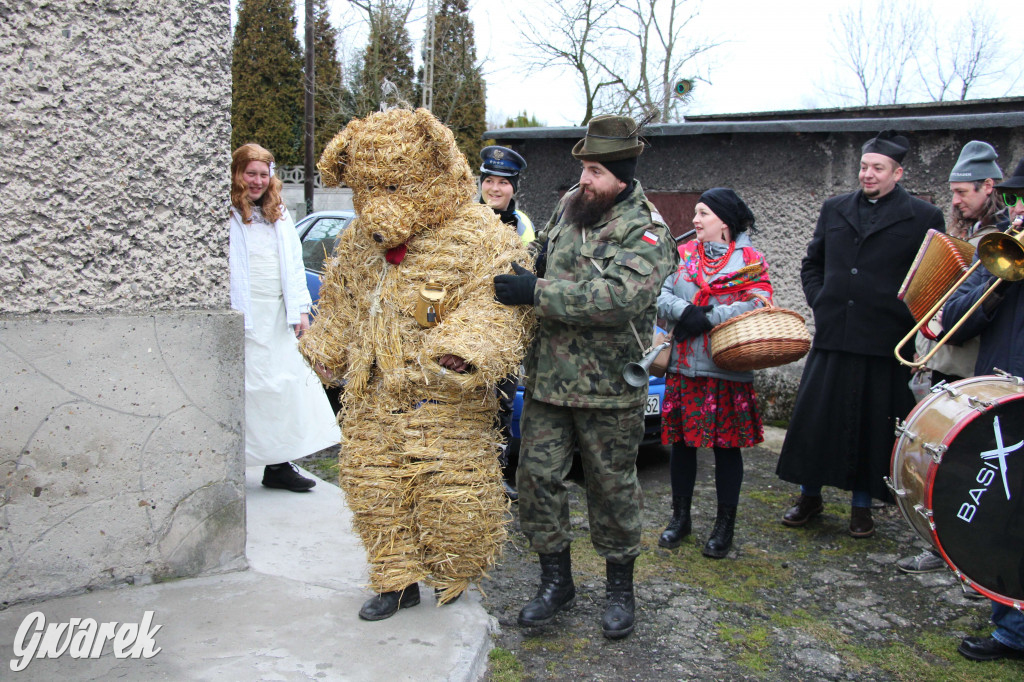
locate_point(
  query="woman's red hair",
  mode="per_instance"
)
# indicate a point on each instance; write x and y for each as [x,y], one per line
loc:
[270,202]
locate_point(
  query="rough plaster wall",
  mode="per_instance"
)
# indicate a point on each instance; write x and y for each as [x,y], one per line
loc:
[120,450]
[784,178]
[115,129]
[120,435]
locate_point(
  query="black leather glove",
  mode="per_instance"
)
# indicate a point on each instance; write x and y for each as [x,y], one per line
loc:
[541,264]
[515,289]
[693,322]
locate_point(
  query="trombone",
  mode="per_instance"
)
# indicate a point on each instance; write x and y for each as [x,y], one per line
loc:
[1002,255]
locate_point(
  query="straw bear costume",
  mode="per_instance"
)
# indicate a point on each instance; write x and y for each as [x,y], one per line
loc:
[419,447]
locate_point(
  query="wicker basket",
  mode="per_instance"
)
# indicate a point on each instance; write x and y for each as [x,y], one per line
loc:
[764,337]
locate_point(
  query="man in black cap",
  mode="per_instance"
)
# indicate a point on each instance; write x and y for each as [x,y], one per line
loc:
[853,390]
[603,257]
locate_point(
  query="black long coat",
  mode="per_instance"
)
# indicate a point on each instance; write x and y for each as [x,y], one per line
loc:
[852,272]
[852,389]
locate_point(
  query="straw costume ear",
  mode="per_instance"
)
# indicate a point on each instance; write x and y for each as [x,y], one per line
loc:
[334,159]
[444,153]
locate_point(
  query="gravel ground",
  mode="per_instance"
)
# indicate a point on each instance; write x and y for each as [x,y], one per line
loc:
[794,604]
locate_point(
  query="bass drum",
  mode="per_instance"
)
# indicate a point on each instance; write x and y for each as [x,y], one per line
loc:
[957,472]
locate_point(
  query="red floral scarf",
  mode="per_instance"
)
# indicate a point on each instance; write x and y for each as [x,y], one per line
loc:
[697,267]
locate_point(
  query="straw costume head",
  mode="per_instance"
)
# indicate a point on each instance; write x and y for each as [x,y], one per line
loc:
[405,171]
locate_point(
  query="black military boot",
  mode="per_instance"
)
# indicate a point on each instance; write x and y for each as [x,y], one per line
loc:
[386,604]
[720,541]
[678,526]
[617,621]
[556,592]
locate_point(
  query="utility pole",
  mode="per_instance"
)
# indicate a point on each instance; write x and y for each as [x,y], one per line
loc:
[428,61]
[310,89]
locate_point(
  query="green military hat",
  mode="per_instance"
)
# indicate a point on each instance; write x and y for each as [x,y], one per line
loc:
[610,138]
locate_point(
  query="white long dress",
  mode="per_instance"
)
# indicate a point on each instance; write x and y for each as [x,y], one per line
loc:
[287,414]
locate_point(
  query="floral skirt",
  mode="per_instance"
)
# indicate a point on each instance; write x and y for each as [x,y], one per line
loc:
[705,412]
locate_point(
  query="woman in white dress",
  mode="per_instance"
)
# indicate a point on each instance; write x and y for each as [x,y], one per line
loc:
[287,414]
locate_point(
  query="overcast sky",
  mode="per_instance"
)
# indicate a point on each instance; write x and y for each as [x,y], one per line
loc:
[774,55]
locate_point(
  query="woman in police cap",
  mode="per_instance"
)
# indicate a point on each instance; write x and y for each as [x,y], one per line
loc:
[499,182]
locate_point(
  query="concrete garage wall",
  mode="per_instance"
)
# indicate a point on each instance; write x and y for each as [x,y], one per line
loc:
[784,170]
[121,365]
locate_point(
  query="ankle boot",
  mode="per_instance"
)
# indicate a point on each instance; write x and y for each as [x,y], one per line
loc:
[679,525]
[556,592]
[618,618]
[720,541]
[386,604]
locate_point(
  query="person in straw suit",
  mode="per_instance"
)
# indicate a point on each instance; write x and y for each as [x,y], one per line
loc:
[407,322]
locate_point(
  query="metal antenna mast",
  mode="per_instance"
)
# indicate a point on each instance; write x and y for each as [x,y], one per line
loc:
[428,61]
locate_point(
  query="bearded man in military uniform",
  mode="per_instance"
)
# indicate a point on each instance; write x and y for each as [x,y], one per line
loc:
[601,260]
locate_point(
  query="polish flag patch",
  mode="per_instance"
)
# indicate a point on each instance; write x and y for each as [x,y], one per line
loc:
[650,238]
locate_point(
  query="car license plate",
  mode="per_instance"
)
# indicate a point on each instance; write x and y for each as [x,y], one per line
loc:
[653,406]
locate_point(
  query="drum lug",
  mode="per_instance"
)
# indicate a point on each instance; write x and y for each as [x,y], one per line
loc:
[938,388]
[1006,375]
[902,431]
[936,451]
[953,393]
[899,492]
[979,404]
[926,513]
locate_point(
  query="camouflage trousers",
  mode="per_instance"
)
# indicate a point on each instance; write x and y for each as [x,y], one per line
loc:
[608,440]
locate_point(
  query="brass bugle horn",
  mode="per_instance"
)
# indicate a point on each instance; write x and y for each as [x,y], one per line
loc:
[1002,255]
[637,374]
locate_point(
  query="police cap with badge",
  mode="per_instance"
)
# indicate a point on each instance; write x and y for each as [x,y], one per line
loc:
[503,162]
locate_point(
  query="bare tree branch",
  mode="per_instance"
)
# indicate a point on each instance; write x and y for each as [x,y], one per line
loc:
[627,54]
[875,45]
[889,54]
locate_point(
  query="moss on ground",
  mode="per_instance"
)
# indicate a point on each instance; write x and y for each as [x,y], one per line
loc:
[503,666]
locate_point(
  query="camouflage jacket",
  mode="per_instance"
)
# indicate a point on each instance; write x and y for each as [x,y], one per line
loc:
[583,337]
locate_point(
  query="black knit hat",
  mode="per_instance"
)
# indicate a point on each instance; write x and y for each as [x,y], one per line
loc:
[623,169]
[1015,181]
[729,208]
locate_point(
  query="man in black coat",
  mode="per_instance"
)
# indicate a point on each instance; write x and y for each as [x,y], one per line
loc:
[853,389]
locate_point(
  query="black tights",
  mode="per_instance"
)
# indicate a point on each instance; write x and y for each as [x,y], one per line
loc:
[728,472]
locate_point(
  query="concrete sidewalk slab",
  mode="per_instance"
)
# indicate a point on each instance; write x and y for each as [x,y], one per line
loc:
[291,616]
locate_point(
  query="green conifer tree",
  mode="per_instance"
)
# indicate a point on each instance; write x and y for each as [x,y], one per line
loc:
[388,56]
[459,87]
[266,79]
[329,98]
[523,120]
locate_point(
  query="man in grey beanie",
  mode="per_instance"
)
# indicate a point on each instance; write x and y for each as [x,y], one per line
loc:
[975,212]
[972,182]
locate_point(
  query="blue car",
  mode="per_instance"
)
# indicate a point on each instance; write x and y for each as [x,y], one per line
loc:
[318,232]
[652,413]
